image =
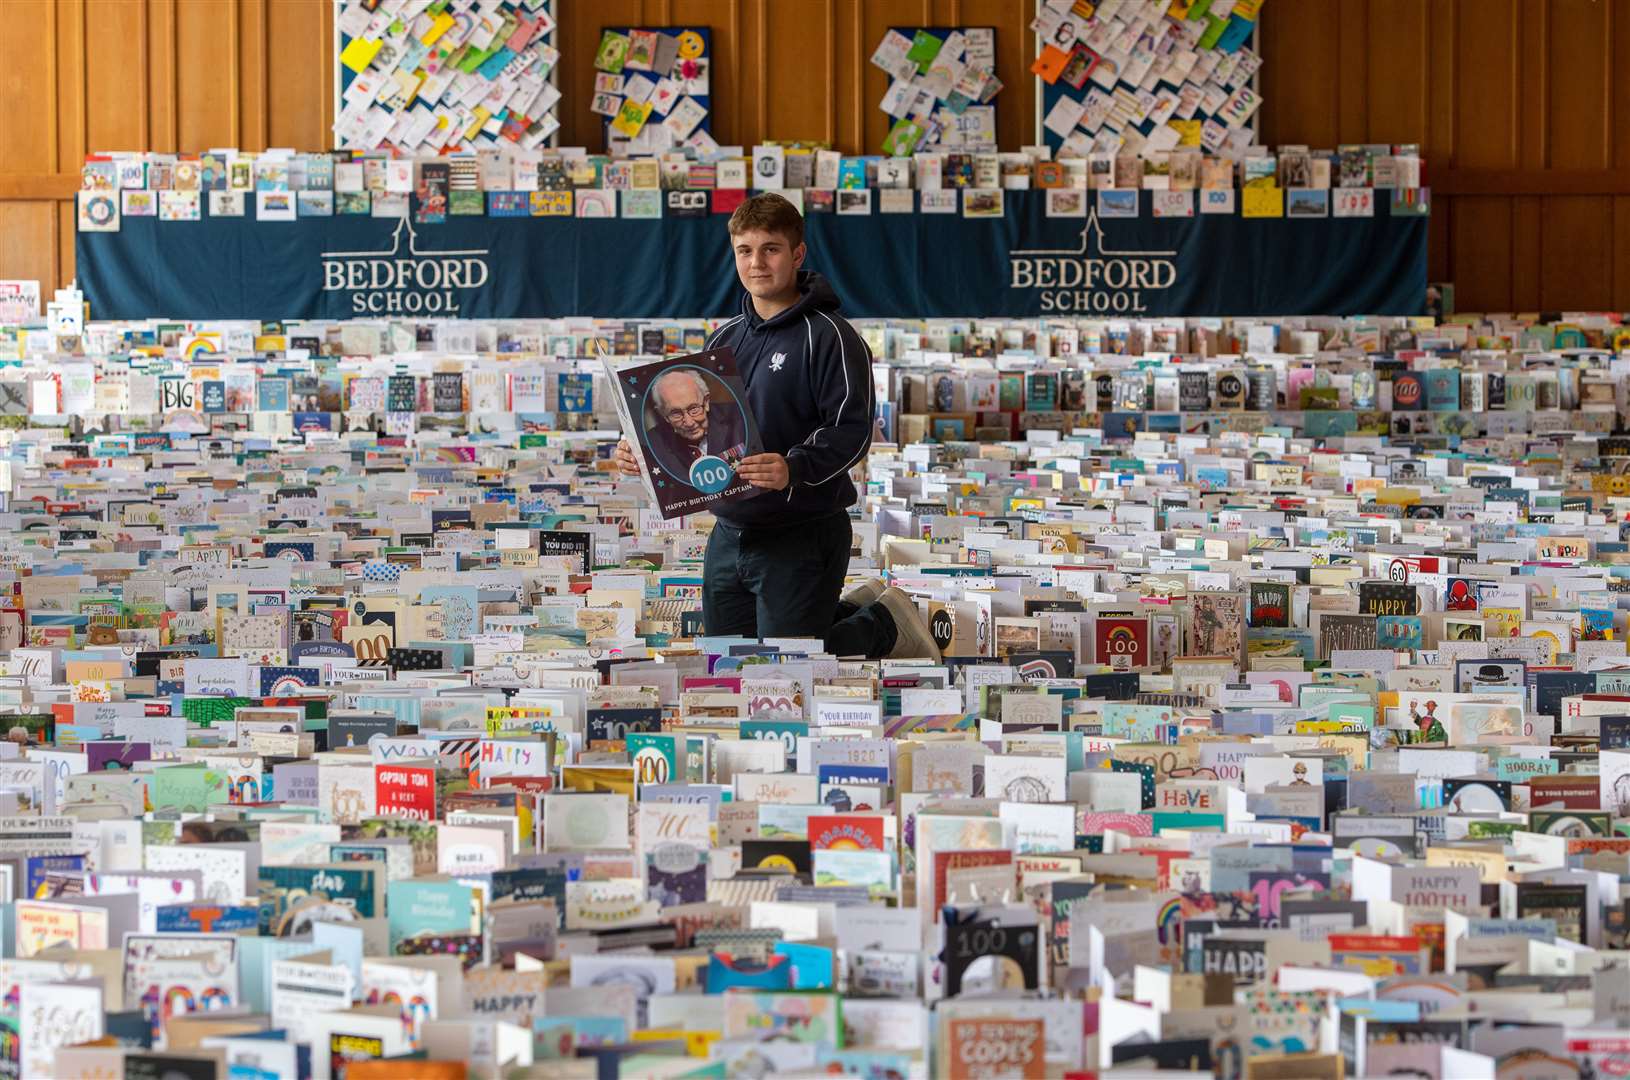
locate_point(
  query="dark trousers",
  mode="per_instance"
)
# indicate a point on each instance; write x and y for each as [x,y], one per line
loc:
[785,582]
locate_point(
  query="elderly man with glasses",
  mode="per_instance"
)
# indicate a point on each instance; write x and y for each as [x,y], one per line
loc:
[694,426]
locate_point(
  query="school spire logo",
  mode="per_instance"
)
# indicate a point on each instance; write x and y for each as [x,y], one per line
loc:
[1092,278]
[410,282]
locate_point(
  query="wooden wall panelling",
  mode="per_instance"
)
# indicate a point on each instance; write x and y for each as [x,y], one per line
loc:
[1576,263]
[207,75]
[1486,74]
[1352,82]
[299,111]
[67,216]
[1438,141]
[69,106]
[725,80]
[837,36]
[1619,103]
[1479,233]
[28,226]
[1522,117]
[565,76]
[1439,227]
[70,111]
[1301,96]
[752,74]
[254,79]
[1578,94]
[1395,71]
[1528,251]
[115,106]
[794,71]
[160,75]
[28,241]
[1533,64]
[28,95]
[850,54]
[1621,253]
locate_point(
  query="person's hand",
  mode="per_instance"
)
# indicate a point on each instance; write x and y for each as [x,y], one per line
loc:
[768,471]
[624,459]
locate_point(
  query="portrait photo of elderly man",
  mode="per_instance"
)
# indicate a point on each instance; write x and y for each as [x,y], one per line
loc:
[691,422]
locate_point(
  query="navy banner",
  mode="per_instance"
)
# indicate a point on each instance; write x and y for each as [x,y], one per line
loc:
[906,265]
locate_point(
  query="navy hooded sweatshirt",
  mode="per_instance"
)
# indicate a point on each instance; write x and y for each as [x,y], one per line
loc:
[809,385]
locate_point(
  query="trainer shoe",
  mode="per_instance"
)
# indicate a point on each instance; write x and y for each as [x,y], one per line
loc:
[865,593]
[911,637]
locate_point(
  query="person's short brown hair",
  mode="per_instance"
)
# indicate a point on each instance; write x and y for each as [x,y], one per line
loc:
[771,213]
